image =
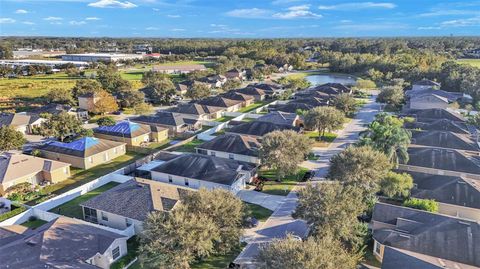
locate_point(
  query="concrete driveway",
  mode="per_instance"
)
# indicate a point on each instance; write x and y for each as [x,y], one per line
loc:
[268,201]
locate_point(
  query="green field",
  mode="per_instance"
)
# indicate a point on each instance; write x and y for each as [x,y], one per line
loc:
[472,62]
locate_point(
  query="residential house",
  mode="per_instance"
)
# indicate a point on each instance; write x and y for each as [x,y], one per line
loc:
[203,171]
[215,81]
[16,168]
[61,243]
[259,128]
[440,125]
[21,122]
[282,118]
[228,104]
[257,93]
[176,123]
[87,101]
[232,146]
[425,84]
[270,89]
[290,107]
[85,152]
[395,258]
[308,93]
[431,234]
[311,101]
[183,87]
[457,196]
[131,133]
[433,114]
[450,96]
[131,202]
[198,111]
[235,73]
[283,68]
[444,139]
[179,69]
[244,98]
[428,101]
[55,109]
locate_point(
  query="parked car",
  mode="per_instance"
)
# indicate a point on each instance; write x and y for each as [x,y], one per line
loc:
[308,175]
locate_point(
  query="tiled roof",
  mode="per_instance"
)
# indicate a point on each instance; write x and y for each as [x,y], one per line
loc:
[279,117]
[444,140]
[443,159]
[259,128]
[233,143]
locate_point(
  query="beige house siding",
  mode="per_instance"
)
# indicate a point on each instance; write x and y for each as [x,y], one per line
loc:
[54,176]
[159,136]
[459,211]
[106,259]
[87,162]
[87,103]
[116,221]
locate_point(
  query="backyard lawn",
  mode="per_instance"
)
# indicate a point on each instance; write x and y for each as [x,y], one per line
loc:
[224,119]
[327,139]
[252,107]
[283,187]
[33,223]
[259,212]
[72,208]
[189,147]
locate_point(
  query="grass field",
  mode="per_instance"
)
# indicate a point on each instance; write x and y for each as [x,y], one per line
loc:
[33,223]
[252,107]
[258,212]
[327,139]
[189,147]
[472,62]
[283,187]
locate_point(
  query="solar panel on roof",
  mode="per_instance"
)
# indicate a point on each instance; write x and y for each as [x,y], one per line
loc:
[124,127]
[79,145]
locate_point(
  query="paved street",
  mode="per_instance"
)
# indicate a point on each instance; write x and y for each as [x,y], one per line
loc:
[281,221]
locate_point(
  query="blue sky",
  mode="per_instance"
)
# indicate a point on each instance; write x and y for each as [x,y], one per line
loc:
[237,19]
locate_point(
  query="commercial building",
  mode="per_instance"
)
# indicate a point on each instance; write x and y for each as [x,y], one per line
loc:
[100,57]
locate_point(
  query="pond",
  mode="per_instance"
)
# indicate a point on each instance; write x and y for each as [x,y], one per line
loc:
[331,78]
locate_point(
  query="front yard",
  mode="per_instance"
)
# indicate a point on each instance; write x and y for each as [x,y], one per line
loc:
[327,139]
[73,209]
[252,107]
[283,187]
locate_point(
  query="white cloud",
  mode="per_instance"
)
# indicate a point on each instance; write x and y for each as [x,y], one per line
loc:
[475,21]
[112,4]
[53,18]
[21,11]
[345,21]
[429,28]
[370,27]
[28,23]
[77,23]
[56,23]
[282,2]
[356,6]
[297,12]
[6,20]
[177,30]
[173,16]
[249,13]
[151,28]
[155,9]
[92,19]
[449,12]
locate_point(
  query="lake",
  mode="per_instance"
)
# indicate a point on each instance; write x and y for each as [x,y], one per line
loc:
[331,78]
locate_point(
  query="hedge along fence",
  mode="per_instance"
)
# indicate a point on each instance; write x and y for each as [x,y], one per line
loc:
[12,213]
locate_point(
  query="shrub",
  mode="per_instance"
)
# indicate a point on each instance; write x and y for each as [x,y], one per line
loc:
[12,213]
[422,204]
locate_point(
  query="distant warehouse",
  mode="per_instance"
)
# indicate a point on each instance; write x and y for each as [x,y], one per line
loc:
[179,69]
[100,57]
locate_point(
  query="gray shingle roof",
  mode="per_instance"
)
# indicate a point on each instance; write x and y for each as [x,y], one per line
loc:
[259,128]
[433,114]
[10,119]
[251,91]
[290,107]
[233,95]
[279,117]
[450,96]
[440,125]
[447,189]
[443,159]
[426,82]
[444,140]
[218,101]
[163,118]
[233,143]
[83,147]
[195,109]
[427,233]
[204,167]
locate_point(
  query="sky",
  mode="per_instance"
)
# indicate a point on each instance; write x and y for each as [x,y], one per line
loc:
[239,19]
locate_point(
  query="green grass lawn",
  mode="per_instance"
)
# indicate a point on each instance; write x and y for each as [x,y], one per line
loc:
[283,187]
[224,119]
[472,62]
[248,119]
[33,223]
[259,212]
[134,75]
[73,209]
[218,261]
[327,139]
[252,107]
[159,145]
[188,147]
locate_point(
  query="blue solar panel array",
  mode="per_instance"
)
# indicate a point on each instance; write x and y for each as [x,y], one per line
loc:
[123,127]
[79,145]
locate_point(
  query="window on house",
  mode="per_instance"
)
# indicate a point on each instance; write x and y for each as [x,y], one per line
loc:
[90,214]
[212,153]
[376,248]
[170,179]
[231,156]
[186,182]
[90,159]
[104,216]
[116,253]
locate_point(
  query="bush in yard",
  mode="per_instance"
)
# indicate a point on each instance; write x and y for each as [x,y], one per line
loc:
[106,121]
[422,204]
[396,184]
[12,213]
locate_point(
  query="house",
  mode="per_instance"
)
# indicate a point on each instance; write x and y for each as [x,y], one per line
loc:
[183,87]
[131,133]
[175,123]
[314,94]
[18,168]
[332,88]
[257,93]
[179,69]
[290,107]
[259,128]
[428,101]
[441,125]
[215,81]
[283,68]
[235,73]
[425,84]
[55,109]
[85,152]
[61,243]
[440,161]
[270,89]
[431,234]
[232,146]
[198,111]
[457,196]
[21,122]
[87,101]
[433,114]
[130,203]
[203,171]
[244,98]
[228,104]
[282,118]
[450,96]
[311,101]
[443,139]
[394,258]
